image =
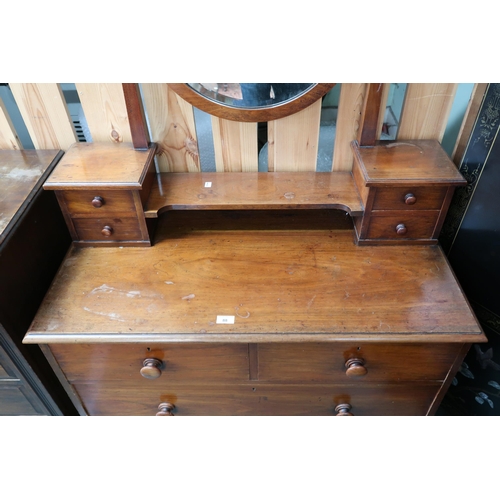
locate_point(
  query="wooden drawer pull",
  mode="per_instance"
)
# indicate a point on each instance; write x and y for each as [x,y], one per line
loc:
[165,410]
[410,199]
[343,410]
[401,229]
[107,231]
[355,367]
[98,202]
[151,368]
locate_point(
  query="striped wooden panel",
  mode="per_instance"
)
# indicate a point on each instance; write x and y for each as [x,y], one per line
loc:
[235,145]
[295,140]
[8,137]
[45,114]
[105,111]
[172,127]
[426,109]
[349,113]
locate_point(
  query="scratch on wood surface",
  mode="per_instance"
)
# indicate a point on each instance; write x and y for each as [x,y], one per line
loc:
[112,316]
[247,315]
[189,297]
[310,303]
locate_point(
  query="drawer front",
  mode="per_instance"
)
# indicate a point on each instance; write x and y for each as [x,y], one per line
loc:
[193,363]
[112,202]
[409,198]
[255,399]
[120,229]
[412,226]
[326,363]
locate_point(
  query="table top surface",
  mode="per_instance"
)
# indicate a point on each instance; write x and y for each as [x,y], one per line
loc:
[401,162]
[255,277]
[21,174]
[98,164]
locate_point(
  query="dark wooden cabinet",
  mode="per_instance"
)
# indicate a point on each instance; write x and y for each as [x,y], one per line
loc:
[33,242]
[255,299]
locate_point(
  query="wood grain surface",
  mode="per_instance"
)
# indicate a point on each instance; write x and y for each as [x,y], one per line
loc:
[425,110]
[8,136]
[20,172]
[45,114]
[422,162]
[262,190]
[278,286]
[352,97]
[295,140]
[105,111]
[101,165]
[171,121]
[254,399]
[235,145]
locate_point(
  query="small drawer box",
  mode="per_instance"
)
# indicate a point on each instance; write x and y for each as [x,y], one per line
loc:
[98,202]
[409,198]
[411,225]
[102,189]
[108,229]
[406,188]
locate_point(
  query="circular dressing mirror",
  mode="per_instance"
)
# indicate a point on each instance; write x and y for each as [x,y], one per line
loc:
[251,102]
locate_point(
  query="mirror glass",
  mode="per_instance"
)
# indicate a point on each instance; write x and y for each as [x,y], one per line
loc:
[251,95]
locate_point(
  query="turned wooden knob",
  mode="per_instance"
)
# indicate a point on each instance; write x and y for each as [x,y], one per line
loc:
[165,410]
[355,367]
[98,201]
[151,368]
[401,229]
[343,410]
[107,231]
[410,199]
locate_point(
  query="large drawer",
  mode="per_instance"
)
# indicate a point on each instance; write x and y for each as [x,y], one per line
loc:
[83,202]
[325,363]
[255,399]
[181,363]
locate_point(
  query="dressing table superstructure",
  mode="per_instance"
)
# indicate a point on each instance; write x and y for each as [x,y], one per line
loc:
[258,296]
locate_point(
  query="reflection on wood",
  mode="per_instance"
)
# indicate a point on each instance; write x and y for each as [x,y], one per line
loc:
[350,107]
[426,109]
[105,111]
[45,114]
[235,145]
[172,127]
[295,140]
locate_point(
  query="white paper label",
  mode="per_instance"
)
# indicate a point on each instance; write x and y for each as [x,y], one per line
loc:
[208,184]
[225,320]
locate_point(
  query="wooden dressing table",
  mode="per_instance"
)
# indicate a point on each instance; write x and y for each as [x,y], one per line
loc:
[258,296]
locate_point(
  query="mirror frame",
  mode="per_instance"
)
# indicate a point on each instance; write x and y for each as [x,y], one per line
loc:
[264,114]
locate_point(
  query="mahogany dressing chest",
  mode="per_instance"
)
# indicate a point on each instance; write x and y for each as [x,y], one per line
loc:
[287,293]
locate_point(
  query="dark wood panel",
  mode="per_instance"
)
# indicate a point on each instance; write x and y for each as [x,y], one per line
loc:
[119,228]
[253,190]
[418,225]
[258,399]
[325,363]
[422,162]
[112,202]
[181,363]
[426,198]
[272,282]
